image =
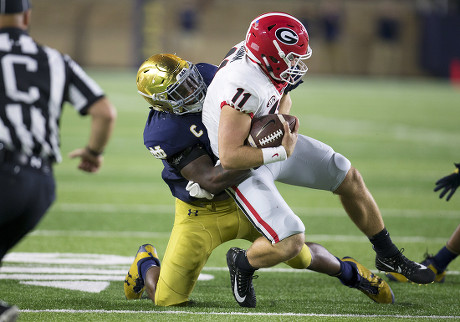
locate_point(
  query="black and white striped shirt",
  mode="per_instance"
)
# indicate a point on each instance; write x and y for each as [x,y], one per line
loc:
[35,81]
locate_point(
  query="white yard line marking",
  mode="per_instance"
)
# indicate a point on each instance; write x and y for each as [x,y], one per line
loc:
[245,314]
[146,234]
[302,211]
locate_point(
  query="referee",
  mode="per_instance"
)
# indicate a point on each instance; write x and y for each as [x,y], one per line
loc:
[35,82]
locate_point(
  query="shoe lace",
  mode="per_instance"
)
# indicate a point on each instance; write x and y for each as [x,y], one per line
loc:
[245,281]
[138,283]
[407,266]
[369,286]
[427,255]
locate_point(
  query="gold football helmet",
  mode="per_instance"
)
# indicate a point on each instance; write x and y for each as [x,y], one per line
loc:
[171,84]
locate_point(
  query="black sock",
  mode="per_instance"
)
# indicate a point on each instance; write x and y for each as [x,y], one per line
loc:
[243,263]
[383,245]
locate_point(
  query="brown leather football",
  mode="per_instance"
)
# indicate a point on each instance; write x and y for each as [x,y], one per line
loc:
[268,131]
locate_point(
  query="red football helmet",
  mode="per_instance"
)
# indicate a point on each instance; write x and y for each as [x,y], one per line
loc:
[278,42]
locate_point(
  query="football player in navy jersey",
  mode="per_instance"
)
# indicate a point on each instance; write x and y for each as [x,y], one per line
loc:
[205,216]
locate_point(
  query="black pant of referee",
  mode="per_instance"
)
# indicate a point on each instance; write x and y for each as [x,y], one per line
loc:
[27,190]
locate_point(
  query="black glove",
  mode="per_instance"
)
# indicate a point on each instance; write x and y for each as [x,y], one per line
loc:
[450,182]
[290,87]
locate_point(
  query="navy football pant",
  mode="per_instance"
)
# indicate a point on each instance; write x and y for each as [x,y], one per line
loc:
[25,196]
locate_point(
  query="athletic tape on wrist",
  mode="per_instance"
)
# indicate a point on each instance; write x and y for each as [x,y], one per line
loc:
[274,154]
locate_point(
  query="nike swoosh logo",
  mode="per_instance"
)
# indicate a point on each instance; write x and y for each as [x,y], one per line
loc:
[398,270]
[238,298]
[265,125]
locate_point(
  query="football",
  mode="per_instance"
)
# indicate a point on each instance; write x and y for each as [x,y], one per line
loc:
[267,131]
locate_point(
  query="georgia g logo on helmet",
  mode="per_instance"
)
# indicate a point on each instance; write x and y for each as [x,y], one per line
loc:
[287,36]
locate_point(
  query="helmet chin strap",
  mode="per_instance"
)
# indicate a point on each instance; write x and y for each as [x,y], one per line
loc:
[269,69]
[280,51]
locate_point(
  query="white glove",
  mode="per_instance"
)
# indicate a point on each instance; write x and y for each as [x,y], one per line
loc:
[196,191]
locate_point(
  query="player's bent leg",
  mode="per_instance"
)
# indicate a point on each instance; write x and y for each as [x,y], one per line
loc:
[151,280]
[242,264]
[363,210]
[192,240]
[359,203]
[183,261]
[263,253]
[350,273]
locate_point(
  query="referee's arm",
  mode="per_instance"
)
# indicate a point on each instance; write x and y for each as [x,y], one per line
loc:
[103,115]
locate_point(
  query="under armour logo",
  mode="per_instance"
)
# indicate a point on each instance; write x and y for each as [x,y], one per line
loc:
[190,212]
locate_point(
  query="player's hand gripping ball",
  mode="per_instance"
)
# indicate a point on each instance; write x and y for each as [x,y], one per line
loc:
[267,131]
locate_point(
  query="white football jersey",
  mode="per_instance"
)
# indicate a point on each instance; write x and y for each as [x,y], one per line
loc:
[242,84]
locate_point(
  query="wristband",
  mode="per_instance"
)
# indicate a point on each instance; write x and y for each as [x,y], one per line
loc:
[92,152]
[274,154]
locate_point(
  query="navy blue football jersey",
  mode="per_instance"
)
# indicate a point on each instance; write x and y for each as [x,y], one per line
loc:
[167,134]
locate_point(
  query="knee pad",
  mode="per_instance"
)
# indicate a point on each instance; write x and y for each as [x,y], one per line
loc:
[338,168]
[341,163]
[302,260]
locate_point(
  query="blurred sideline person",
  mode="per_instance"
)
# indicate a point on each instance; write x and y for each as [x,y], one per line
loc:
[174,133]
[250,83]
[35,81]
[439,262]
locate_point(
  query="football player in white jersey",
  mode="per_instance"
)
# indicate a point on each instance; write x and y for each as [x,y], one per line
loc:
[251,82]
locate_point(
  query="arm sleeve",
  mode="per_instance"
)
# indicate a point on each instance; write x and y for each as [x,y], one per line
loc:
[181,159]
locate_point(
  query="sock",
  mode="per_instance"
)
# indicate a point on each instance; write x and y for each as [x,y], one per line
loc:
[383,245]
[146,264]
[243,263]
[348,274]
[443,258]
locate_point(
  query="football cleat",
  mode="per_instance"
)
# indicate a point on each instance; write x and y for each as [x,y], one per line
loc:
[8,313]
[372,285]
[414,272]
[241,281]
[428,262]
[134,283]
[396,277]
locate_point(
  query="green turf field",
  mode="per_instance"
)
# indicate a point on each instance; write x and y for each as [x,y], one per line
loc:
[401,134]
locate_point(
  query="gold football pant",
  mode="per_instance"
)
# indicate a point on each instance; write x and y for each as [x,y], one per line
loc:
[198,229]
